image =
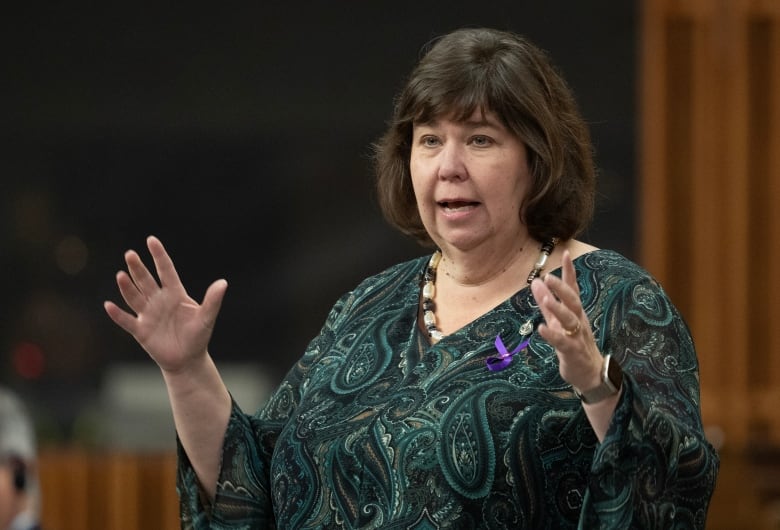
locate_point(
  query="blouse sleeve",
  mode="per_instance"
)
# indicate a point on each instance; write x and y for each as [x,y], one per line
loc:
[243,495]
[654,468]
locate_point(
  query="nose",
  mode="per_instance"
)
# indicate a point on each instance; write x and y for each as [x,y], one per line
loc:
[452,164]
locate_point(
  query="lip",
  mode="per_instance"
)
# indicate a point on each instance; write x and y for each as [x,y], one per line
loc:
[456,201]
[456,208]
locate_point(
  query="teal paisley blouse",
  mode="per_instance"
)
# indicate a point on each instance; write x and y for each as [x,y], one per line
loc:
[376,428]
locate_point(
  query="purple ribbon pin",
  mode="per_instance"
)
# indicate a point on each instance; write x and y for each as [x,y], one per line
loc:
[504,357]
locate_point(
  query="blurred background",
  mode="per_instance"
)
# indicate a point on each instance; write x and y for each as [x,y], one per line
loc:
[242,138]
[241,134]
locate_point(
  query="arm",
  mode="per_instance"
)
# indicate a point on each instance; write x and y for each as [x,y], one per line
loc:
[653,468]
[245,495]
[578,355]
[175,330]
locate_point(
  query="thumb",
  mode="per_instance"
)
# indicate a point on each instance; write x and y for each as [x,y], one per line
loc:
[212,302]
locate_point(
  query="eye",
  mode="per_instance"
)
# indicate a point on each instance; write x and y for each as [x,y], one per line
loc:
[480,140]
[429,140]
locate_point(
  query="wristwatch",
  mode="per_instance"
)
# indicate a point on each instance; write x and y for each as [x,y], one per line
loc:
[611,381]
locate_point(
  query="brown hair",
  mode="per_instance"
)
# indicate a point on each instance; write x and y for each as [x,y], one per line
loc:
[490,70]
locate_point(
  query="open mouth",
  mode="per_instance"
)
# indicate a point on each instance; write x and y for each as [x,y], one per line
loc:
[456,206]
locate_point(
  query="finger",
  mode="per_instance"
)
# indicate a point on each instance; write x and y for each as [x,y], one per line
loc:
[569,278]
[121,318]
[130,293]
[163,263]
[563,293]
[557,314]
[566,318]
[545,300]
[568,273]
[212,302]
[568,296]
[141,276]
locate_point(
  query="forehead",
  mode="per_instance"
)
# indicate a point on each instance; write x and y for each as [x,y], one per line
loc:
[476,118]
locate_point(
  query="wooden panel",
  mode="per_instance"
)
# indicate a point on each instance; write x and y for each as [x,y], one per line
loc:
[710,223]
[773,214]
[710,172]
[652,186]
[702,228]
[124,491]
[737,503]
[732,392]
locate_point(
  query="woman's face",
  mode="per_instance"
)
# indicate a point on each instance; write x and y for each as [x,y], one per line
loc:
[469,179]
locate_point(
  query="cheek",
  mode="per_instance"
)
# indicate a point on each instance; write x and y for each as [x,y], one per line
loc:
[418,179]
[519,189]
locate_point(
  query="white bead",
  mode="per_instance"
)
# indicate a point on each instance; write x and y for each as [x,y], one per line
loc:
[429,318]
[429,290]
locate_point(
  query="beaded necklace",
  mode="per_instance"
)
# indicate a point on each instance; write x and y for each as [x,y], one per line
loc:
[429,287]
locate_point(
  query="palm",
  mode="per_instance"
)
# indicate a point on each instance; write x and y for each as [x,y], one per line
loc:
[172,327]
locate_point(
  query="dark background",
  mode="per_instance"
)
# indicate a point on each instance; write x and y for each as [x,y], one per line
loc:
[240,135]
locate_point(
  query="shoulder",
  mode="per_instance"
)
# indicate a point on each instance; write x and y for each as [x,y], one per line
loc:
[618,284]
[609,276]
[601,263]
[401,273]
[396,282]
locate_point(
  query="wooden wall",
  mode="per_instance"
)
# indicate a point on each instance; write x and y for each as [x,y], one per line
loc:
[710,223]
[118,491]
[710,195]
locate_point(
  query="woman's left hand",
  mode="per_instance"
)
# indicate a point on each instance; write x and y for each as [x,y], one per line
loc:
[566,326]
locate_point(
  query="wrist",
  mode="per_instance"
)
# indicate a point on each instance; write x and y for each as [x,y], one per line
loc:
[609,383]
[196,372]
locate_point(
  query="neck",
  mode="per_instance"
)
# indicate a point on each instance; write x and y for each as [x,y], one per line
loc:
[468,301]
[469,270]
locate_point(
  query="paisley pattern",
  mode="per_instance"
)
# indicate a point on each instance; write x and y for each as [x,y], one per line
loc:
[376,428]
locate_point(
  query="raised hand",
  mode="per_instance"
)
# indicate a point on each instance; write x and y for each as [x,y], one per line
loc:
[172,327]
[566,326]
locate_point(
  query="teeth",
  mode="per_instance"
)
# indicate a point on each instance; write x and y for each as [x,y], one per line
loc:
[458,207]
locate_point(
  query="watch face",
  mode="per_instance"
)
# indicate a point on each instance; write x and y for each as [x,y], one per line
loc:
[615,373]
[611,381]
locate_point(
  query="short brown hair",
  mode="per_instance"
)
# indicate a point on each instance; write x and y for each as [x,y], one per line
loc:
[490,70]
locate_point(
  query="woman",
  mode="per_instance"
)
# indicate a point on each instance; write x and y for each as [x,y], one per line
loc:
[515,378]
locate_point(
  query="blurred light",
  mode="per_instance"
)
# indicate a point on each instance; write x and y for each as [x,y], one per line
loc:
[71,255]
[28,359]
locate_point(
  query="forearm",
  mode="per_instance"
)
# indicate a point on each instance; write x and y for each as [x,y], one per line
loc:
[201,408]
[600,414]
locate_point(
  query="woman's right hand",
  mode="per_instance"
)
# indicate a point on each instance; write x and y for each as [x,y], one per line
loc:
[172,327]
